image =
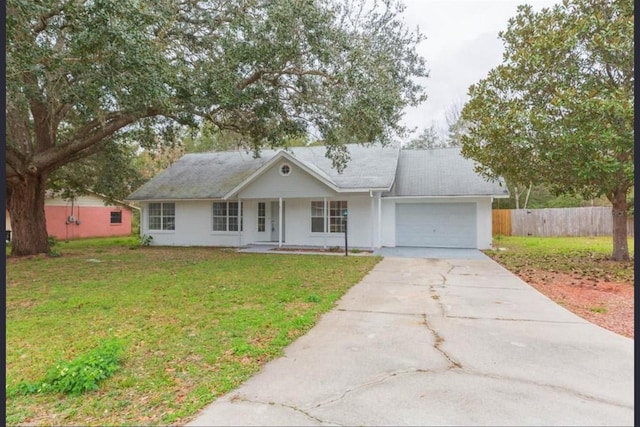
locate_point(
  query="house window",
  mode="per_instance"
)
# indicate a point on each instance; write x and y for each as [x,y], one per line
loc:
[227,216]
[262,220]
[318,218]
[162,216]
[285,170]
[116,217]
[336,222]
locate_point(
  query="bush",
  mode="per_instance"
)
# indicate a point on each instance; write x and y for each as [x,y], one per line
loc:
[80,375]
[313,298]
[146,240]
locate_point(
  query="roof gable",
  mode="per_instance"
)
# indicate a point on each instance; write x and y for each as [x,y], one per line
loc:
[275,160]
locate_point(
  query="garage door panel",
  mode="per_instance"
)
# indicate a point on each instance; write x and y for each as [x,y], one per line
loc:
[444,225]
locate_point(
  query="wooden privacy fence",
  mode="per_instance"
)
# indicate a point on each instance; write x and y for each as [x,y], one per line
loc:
[585,221]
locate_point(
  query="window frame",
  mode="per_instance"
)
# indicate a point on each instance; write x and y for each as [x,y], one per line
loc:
[262,217]
[332,221]
[232,223]
[118,217]
[166,216]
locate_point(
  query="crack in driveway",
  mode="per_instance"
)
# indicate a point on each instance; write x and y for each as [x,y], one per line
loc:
[239,398]
[546,385]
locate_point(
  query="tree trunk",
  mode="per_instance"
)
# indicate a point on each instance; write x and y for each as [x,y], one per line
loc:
[619,212]
[25,201]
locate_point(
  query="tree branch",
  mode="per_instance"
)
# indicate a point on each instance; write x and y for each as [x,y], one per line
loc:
[90,135]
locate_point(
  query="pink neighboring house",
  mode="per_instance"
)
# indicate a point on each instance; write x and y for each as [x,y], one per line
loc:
[85,216]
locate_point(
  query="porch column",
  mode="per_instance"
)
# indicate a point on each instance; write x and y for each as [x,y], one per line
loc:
[240,218]
[373,224]
[379,242]
[325,220]
[280,222]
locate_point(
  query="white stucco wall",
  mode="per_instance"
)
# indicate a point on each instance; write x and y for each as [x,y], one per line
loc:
[483,217]
[193,224]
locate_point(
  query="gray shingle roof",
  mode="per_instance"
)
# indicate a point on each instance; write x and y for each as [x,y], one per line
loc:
[213,175]
[441,172]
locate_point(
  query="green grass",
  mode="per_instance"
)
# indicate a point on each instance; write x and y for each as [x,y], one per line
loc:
[194,323]
[585,256]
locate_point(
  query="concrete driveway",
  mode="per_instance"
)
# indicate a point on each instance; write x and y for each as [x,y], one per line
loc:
[453,341]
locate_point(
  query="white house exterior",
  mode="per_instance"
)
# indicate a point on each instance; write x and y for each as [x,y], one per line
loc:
[392,197]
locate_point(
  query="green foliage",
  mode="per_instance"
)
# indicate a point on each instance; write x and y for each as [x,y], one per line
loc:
[135,222]
[345,70]
[559,110]
[208,138]
[541,197]
[429,138]
[145,240]
[314,298]
[111,172]
[79,375]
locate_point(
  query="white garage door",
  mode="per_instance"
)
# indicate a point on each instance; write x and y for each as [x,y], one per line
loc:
[436,225]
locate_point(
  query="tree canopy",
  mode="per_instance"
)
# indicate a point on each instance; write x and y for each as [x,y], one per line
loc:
[84,74]
[559,110]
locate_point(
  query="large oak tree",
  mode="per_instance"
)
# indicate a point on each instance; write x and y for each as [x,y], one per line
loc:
[559,110]
[84,73]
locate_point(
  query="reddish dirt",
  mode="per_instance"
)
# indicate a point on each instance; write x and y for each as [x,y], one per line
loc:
[606,304]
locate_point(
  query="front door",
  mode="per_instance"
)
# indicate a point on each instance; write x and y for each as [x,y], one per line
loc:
[275,221]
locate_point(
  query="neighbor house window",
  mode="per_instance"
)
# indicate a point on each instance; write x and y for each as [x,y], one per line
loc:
[162,216]
[262,220]
[318,218]
[227,216]
[116,217]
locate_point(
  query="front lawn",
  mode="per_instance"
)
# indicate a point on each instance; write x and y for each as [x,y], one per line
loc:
[194,323]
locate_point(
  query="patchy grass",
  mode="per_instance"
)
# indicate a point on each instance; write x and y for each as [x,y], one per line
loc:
[194,324]
[579,256]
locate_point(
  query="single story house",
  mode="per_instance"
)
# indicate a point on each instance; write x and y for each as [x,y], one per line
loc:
[391,197]
[83,216]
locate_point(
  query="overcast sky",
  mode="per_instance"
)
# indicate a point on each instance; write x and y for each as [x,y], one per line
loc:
[461,47]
